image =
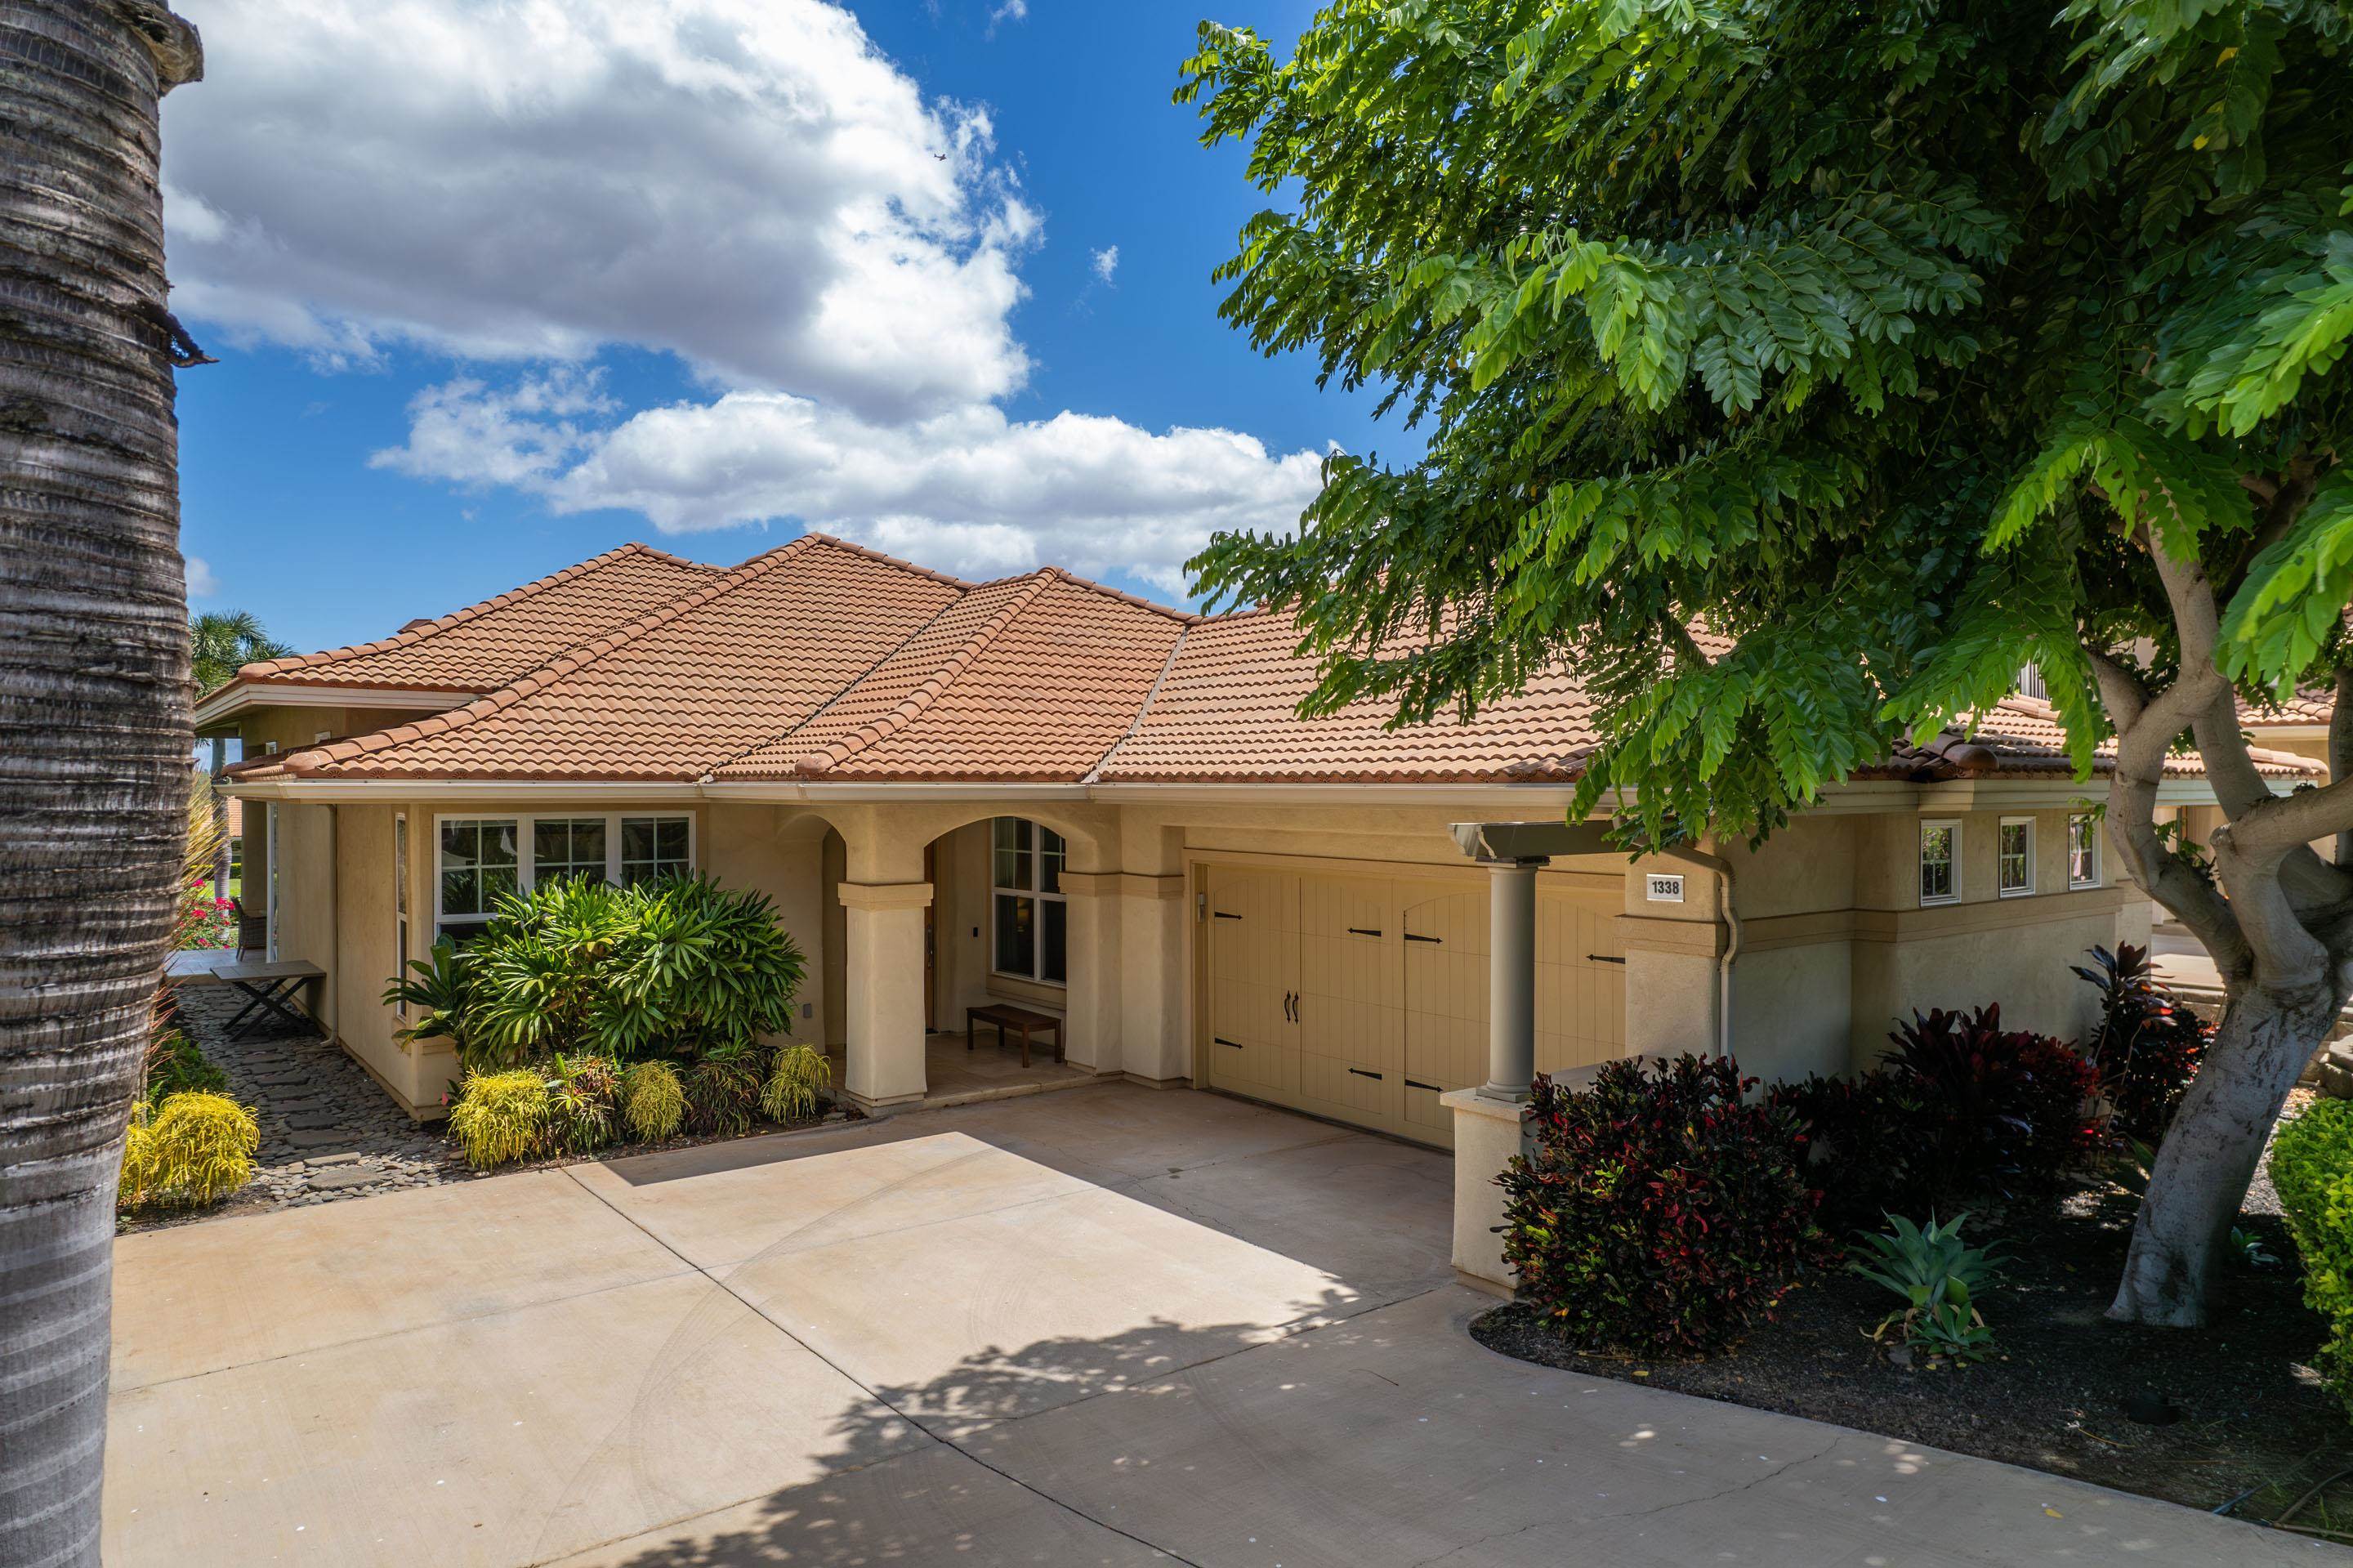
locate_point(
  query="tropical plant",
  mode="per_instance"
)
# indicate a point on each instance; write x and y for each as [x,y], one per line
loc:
[2248,1248]
[93,693]
[1656,1209]
[583,1102]
[722,1088]
[653,1101]
[1859,1144]
[2311,1167]
[436,989]
[220,641]
[669,968]
[1939,1279]
[1897,347]
[796,1075]
[176,1065]
[2147,1045]
[186,1149]
[1989,1109]
[499,1117]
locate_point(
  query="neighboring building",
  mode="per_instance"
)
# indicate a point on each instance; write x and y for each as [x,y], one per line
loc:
[1042,790]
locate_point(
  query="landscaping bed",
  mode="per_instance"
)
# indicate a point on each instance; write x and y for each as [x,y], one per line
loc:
[2256,1427]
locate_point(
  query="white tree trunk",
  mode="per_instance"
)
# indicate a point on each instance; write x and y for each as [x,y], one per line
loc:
[2211,1152]
[94,734]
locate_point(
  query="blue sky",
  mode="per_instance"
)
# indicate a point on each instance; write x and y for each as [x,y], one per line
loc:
[581,271]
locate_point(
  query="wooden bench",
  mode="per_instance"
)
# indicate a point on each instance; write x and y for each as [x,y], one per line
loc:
[1006,1016]
[274,992]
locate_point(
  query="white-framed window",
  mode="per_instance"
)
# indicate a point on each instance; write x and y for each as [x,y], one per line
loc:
[400,904]
[1032,918]
[2015,855]
[1940,862]
[480,859]
[2082,851]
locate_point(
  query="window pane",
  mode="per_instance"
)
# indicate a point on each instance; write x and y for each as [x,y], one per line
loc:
[1049,861]
[461,845]
[574,848]
[1009,861]
[1936,863]
[498,843]
[461,892]
[669,841]
[1016,938]
[400,865]
[498,882]
[653,847]
[637,838]
[1053,915]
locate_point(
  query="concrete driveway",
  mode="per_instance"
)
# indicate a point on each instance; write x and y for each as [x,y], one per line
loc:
[1107,1326]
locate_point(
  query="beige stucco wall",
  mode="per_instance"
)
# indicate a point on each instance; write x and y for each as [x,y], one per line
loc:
[1836,941]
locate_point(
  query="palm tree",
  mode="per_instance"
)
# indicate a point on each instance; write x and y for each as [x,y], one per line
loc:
[94,736]
[221,640]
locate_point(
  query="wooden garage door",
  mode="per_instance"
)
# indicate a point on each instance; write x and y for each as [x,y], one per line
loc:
[1363,998]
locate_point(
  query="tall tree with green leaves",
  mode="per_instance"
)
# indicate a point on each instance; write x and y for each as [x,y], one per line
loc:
[222,641]
[94,735]
[1901,344]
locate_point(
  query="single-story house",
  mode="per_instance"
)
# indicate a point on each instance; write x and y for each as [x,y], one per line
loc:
[1043,791]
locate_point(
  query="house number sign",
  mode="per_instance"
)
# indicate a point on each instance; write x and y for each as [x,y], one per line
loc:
[1666,888]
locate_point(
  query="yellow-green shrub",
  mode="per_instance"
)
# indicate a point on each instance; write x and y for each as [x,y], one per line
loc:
[793,1080]
[652,1099]
[192,1147]
[2312,1166]
[500,1116]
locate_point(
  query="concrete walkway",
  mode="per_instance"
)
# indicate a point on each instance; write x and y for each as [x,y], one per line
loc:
[1107,1327]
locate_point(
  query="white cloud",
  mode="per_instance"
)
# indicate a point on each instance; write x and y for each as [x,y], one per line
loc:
[968,491]
[201,583]
[1011,11]
[747,184]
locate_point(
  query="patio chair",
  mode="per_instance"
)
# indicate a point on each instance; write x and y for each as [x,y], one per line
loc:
[252,930]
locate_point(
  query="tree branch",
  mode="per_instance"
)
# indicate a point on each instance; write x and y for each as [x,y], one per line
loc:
[2132,821]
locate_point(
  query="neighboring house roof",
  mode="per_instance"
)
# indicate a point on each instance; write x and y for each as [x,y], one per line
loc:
[2023,736]
[825,660]
[484,646]
[2310,705]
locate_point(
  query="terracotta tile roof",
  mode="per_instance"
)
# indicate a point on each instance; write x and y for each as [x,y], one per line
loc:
[1226,713]
[2312,704]
[824,661]
[2023,736]
[1031,679]
[484,646]
[715,672]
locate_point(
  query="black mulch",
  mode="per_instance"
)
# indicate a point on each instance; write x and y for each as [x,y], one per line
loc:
[2255,1426]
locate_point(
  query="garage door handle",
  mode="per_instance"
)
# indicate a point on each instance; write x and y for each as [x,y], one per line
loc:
[1223,916]
[1362,1073]
[1411,937]
[1290,1005]
[1223,1040]
[1433,1088]
[1363,931]
[1602,958]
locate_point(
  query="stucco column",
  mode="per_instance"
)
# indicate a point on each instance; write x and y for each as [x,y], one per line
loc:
[884,1016]
[1511,979]
[1090,949]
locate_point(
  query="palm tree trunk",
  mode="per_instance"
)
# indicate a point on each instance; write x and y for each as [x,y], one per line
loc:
[94,731]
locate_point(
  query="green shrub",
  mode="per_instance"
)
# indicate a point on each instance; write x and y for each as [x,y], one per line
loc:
[190,1148]
[436,989]
[583,1102]
[176,1065]
[795,1078]
[653,1101]
[1657,1210]
[2311,1167]
[1938,1277]
[499,1117]
[723,1089]
[668,968]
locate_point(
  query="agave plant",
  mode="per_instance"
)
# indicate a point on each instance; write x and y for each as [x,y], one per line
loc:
[1938,1277]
